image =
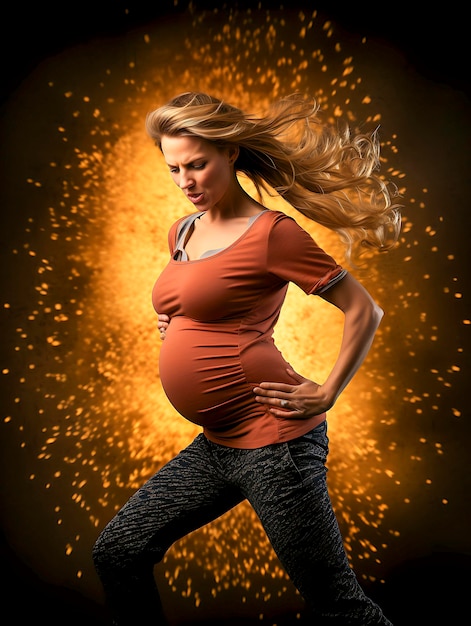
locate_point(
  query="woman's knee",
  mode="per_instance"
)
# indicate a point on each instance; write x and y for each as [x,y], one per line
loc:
[104,552]
[114,550]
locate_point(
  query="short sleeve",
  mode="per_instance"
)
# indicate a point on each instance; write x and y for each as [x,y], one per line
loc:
[294,256]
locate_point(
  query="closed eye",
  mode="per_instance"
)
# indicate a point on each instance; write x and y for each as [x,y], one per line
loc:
[194,166]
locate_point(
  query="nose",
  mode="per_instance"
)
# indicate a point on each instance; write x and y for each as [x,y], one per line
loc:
[186,181]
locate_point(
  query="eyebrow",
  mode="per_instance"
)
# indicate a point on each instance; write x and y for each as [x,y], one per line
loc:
[201,158]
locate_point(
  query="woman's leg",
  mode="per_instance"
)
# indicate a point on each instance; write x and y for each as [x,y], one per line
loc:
[286,485]
[187,493]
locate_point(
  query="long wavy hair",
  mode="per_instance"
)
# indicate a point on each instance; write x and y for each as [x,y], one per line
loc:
[328,173]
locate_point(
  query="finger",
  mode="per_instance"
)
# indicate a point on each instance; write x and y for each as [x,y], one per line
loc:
[272,389]
[297,377]
[273,400]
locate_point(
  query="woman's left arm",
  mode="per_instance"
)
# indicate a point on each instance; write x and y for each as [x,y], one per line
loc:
[362,318]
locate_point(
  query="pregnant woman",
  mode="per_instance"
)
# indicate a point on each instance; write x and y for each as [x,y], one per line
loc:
[264,429]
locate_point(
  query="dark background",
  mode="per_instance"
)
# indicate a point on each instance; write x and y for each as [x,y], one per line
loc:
[433,41]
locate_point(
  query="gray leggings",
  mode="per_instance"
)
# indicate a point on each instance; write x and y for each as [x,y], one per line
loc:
[286,486]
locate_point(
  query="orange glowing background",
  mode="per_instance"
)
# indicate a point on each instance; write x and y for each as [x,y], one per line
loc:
[86,206]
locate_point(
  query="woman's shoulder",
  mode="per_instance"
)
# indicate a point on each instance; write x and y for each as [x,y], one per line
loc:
[275,216]
[281,221]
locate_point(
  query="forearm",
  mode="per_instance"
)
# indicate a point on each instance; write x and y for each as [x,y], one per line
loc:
[359,331]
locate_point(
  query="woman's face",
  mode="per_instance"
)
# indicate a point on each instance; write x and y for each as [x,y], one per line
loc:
[203,172]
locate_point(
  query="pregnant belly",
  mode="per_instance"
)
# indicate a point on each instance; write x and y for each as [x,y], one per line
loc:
[208,378]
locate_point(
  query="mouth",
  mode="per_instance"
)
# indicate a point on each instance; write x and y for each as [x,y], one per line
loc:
[195,197]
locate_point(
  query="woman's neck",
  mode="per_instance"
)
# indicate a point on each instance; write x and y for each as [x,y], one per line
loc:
[238,205]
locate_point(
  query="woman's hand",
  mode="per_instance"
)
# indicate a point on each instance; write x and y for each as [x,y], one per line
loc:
[304,398]
[162,324]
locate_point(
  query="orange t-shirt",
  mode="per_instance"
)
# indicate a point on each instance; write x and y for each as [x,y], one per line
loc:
[223,309]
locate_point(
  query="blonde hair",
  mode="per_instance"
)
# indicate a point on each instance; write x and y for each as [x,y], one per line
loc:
[327,173]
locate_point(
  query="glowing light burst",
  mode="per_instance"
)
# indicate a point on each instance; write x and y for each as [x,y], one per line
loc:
[85,394]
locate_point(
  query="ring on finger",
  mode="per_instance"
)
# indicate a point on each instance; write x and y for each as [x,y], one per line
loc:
[284,403]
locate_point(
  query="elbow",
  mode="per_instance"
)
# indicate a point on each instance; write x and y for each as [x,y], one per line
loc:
[377,314]
[366,316]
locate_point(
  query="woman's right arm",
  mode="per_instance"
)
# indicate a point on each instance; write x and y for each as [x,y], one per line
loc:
[162,324]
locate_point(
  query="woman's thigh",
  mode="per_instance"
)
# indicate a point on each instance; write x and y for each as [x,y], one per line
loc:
[186,493]
[287,488]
